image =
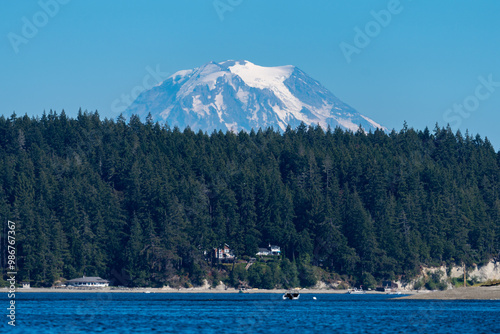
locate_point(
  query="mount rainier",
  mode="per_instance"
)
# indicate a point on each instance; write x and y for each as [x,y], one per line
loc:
[239,95]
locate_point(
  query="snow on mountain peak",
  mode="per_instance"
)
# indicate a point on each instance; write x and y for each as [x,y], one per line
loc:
[239,95]
[261,77]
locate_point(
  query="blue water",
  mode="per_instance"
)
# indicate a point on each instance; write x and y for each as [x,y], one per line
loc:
[244,313]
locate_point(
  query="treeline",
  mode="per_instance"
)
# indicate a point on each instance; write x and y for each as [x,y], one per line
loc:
[144,204]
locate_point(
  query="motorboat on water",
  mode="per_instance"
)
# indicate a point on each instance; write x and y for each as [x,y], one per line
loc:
[356,291]
[291,294]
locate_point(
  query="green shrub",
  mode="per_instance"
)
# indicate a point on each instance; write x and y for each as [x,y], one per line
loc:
[307,277]
[368,281]
[419,284]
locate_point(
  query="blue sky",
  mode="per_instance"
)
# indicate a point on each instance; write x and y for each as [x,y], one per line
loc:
[428,62]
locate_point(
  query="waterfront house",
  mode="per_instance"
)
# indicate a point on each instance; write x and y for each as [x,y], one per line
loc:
[89,282]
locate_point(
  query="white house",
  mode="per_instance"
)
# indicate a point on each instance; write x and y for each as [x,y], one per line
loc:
[91,282]
[275,250]
[224,253]
[271,250]
[263,252]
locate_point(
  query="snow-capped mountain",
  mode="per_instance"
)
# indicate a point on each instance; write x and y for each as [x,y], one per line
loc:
[239,95]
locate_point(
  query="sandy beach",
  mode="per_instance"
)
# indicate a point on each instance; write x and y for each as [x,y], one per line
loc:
[477,293]
[473,293]
[182,290]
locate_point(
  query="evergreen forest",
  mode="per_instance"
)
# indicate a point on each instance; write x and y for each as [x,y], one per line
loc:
[143,204]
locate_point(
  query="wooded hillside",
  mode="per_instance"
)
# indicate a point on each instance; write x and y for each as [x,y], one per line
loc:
[100,197]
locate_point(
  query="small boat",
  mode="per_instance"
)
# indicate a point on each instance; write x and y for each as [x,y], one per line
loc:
[356,291]
[291,294]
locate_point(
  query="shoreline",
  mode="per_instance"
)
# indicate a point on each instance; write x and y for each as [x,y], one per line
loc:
[470,293]
[186,290]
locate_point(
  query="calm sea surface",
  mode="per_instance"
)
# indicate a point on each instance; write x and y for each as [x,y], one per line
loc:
[244,313]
